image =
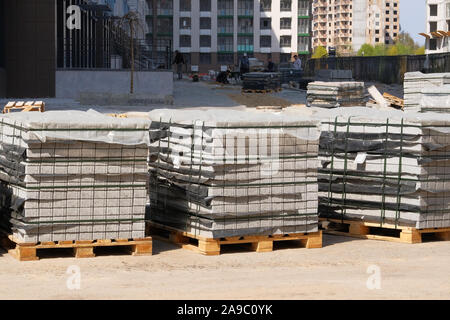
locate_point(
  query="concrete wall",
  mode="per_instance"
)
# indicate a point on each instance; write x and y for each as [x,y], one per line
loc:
[74,83]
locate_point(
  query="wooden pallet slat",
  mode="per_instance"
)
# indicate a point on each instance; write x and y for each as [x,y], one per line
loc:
[211,246]
[81,248]
[372,230]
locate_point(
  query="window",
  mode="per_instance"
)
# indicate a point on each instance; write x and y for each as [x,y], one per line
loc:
[187,58]
[225,7]
[205,5]
[448,10]
[225,44]
[285,57]
[265,41]
[164,25]
[245,7]
[185,5]
[285,5]
[265,23]
[303,44]
[205,58]
[225,58]
[185,23]
[245,25]
[303,26]
[285,23]
[185,41]
[377,31]
[224,25]
[205,23]
[432,44]
[266,5]
[433,26]
[377,39]
[164,7]
[245,44]
[303,8]
[285,41]
[433,10]
[205,41]
[387,19]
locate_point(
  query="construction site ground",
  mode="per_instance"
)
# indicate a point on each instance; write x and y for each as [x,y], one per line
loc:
[345,268]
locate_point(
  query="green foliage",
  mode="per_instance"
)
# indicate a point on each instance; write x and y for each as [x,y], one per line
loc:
[404,45]
[366,50]
[420,50]
[319,52]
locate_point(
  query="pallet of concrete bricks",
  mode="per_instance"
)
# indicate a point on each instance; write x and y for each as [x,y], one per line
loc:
[225,177]
[335,94]
[423,92]
[385,171]
[70,177]
[268,81]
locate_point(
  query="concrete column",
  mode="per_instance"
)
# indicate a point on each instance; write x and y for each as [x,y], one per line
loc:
[256,25]
[195,26]
[176,24]
[235,25]
[294,27]
[214,27]
[275,26]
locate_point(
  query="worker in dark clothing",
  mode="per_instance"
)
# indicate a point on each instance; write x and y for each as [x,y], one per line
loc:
[270,66]
[222,77]
[179,61]
[244,64]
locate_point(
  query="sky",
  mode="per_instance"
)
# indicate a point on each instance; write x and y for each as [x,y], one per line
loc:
[413,18]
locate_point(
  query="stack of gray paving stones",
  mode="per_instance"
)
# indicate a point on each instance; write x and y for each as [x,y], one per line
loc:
[261,81]
[221,173]
[419,91]
[335,94]
[73,176]
[385,166]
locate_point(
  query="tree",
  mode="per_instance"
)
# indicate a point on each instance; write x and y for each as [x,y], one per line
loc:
[420,51]
[319,52]
[366,50]
[392,51]
[380,50]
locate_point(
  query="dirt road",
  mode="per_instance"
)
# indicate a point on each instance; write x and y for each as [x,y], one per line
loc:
[337,271]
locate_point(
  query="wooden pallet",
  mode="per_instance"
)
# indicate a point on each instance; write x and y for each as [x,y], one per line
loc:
[81,248]
[394,101]
[211,247]
[261,91]
[372,230]
[23,106]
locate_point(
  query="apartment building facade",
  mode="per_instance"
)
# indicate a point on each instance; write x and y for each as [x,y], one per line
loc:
[213,33]
[348,24]
[438,26]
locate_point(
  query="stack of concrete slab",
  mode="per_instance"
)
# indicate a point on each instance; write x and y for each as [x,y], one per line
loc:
[261,81]
[335,94]
[220,173]
[436,99]
[73,175]
[415,83]
[385,166]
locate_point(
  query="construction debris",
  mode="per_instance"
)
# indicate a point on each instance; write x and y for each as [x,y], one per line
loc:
[225,173]
[385,166]
[262,81]
[335,94]
[73,176]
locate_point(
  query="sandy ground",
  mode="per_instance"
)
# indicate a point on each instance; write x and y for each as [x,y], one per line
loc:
[337,271]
